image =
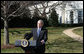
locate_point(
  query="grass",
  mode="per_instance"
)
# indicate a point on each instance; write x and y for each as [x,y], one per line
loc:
[79,31]
[57,41]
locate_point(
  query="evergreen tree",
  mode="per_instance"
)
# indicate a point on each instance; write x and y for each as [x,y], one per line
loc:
[53,18]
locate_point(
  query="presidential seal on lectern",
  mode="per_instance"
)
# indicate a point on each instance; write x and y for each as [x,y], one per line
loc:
[24,42]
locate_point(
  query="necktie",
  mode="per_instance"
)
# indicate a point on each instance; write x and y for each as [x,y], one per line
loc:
[38,32]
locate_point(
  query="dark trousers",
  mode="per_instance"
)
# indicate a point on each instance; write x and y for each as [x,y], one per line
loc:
[39,49]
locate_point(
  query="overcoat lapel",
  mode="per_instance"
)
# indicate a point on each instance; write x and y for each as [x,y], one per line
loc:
[40,33]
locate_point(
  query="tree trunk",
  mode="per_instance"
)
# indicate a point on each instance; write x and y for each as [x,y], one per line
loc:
[6,32]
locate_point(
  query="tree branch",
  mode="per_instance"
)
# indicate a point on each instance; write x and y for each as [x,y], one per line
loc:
[47,4]
[43,5]
[56,4]
[2,5]
[17,15]
[38,9]
[21,7]
[14,12]
[2,18]
[1,8]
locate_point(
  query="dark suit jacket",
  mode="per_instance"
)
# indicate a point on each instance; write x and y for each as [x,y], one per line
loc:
[42,35]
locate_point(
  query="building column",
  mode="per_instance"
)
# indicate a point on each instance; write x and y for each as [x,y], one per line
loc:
[63,16]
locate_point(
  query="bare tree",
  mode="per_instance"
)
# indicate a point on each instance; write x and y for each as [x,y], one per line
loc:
[45,5]
[8,9]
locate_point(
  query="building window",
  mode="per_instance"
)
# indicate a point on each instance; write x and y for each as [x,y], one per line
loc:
[60,19]
[80,19]
[71,17]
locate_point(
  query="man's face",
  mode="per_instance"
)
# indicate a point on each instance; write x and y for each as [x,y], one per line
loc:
[39,24]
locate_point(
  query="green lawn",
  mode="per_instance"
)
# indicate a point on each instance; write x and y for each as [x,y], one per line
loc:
[57,41]
[79,31]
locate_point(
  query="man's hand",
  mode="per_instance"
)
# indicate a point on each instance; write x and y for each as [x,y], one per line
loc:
[42,41]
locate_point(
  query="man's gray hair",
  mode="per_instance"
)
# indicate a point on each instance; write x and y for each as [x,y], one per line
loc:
[40,21]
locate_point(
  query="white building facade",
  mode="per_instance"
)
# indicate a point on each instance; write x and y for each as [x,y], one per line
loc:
[71,14]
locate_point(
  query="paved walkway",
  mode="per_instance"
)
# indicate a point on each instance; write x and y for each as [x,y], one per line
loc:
[73,35]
